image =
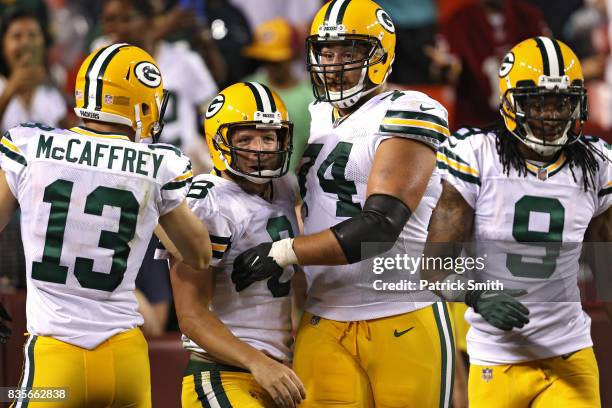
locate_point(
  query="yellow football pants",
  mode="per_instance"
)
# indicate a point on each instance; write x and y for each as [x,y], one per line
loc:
[115,374]
[457,311]
[399,361]
[569,381]
[207,385]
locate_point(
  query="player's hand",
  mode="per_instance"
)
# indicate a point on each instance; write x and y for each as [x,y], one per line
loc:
[499,307]
[5,332]
[254,264]
[279,381]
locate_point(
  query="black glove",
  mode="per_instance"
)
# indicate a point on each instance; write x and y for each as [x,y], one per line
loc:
[254,264]
[5,332]
[499,307]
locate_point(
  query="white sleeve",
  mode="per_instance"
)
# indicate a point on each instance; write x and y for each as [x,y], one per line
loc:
[13,159]
[179,176]
[458,165]
[220,228]
[414,115]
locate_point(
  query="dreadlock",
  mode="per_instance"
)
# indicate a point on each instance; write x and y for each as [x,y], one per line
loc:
[581,154]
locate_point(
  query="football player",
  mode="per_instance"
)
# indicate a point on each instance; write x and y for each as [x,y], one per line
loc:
[239,343]
[366,177]
[90,198]
[519,191]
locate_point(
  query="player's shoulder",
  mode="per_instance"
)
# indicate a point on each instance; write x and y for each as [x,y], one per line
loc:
[470,138]
[598,143]
[413,115]
[213,191]
[412,101]
[601,148]
[19,138]
[175,168]
[319,108]
[30,129]
[219,200]
[166,149]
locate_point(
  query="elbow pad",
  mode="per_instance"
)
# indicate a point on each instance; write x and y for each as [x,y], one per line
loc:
[382,220]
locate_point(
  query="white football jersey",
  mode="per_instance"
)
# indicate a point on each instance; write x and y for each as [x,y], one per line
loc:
[190,85]
[260,315]
[510,213]
[333,181]
[89,203]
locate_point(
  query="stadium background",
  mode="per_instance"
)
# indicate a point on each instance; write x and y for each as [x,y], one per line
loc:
[235,39]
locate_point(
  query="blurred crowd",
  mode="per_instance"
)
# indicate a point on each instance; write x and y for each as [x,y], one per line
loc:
[450,49]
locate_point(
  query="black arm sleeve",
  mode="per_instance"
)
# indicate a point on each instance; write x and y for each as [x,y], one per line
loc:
[382,220]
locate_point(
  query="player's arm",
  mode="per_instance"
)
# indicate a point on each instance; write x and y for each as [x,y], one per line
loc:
[8,202]
[451,222]
[188,235]
[193,292]
[400,173]
[598,255]
[398,179]
[451,225]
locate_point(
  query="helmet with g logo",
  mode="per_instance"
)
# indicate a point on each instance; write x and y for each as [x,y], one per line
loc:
[254,105]
[122,84]
[355,23]
[538,72]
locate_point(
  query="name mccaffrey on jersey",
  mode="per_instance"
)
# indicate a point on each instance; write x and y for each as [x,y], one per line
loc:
[96,153]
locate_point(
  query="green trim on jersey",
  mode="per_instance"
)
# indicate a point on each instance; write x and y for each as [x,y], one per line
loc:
[13,156]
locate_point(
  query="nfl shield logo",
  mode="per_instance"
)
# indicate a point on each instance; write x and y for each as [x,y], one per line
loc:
[108,99]
[542,173]
[487,374]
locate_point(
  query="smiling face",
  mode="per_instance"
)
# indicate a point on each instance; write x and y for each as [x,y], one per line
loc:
[251,146]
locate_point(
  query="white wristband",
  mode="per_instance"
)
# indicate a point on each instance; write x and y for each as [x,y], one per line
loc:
[282,252]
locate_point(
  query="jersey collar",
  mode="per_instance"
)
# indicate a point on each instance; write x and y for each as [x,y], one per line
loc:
[82,130]
[549,170]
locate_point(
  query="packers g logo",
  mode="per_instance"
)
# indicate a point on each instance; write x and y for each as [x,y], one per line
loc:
[385,21]
[148,74]
[215,106]
[506,65]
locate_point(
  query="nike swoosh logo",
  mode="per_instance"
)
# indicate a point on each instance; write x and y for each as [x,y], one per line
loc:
[398,334]
[426,108]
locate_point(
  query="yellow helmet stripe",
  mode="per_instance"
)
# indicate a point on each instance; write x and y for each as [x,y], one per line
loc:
[263,97]
[552,59]
[89,69]
[256,95]
[266,97]
[336,12]
[95,74]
